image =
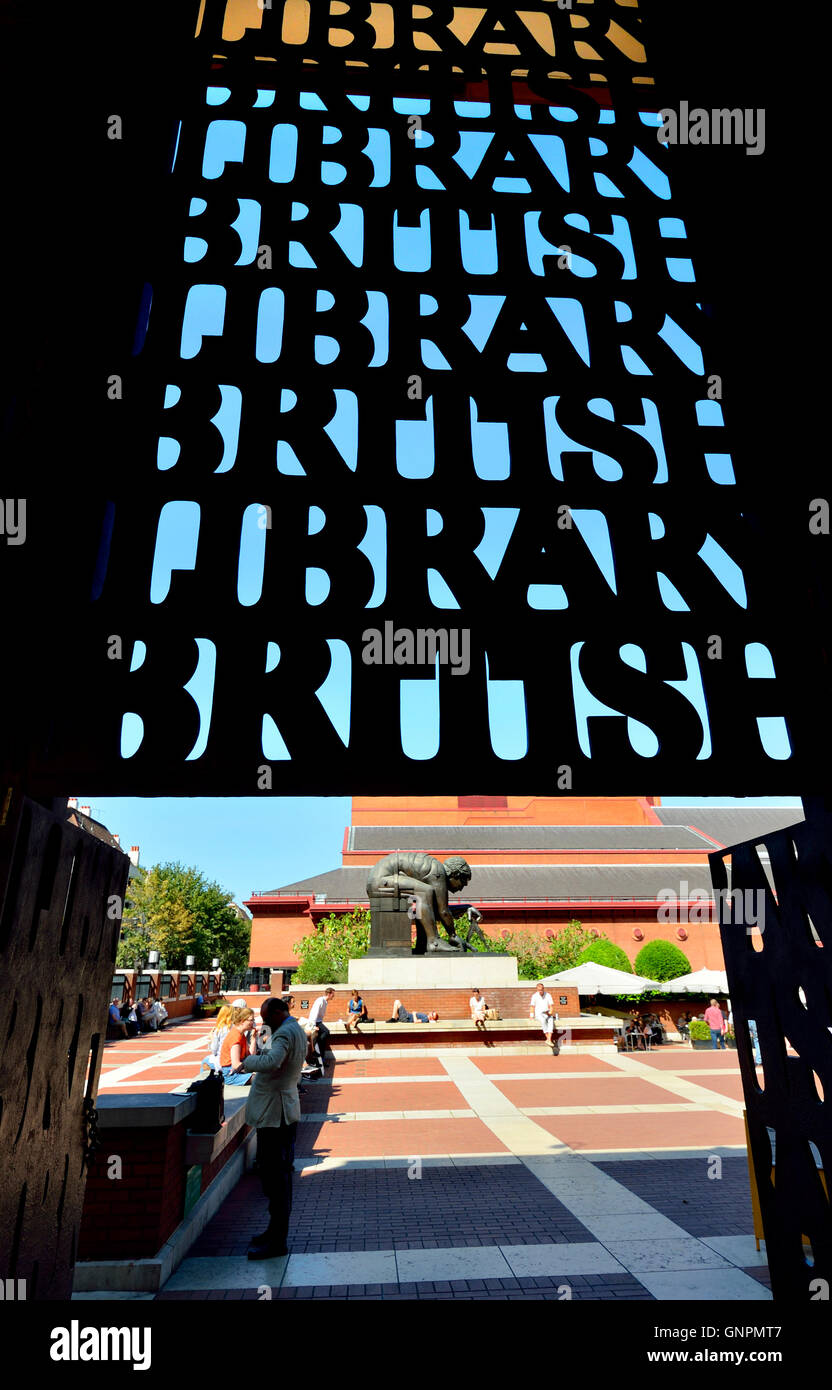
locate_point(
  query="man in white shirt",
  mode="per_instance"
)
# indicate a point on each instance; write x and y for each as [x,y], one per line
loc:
[542,1007]
[317,1014]
[478,1006]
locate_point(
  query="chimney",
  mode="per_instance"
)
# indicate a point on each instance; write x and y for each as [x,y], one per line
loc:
[72,803]
[85,811]
[117,838]
[134,855]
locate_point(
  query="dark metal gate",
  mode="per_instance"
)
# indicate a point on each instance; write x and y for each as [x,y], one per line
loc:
[59,930]
[780,976]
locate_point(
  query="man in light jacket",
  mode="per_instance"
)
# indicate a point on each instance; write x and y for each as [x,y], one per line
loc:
[273,1109]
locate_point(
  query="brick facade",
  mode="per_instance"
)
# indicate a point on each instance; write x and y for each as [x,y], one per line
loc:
[511,1001]
[131,1217]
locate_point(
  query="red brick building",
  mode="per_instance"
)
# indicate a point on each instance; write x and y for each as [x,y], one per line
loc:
[537,863]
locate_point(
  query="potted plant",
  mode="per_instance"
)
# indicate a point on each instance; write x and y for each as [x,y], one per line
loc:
[730,1037]
[700,1034]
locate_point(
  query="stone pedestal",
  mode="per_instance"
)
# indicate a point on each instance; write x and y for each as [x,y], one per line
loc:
[387,970]
[390,927]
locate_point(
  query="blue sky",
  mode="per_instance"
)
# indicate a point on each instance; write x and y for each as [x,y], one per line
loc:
[251,843]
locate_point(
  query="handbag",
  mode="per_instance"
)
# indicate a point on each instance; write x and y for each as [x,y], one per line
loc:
[209,1115]
[492,1014]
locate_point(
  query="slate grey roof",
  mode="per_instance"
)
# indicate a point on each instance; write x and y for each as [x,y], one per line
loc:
[532,881]
[457,838]
[731,824]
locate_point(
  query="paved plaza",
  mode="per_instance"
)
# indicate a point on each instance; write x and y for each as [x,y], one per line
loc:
[507,1173]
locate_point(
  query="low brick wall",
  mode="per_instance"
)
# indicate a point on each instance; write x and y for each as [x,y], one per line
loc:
[422,1035]
[512,1001]
[132,1215]
[135,1194]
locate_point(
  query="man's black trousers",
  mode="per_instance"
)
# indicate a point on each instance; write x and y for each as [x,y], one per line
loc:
[275,1152]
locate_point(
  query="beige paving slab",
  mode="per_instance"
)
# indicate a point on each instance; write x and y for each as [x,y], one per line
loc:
[704,1285]
[680,1085]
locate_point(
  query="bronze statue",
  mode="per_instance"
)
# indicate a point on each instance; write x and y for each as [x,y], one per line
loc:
[468,913]
[414,874]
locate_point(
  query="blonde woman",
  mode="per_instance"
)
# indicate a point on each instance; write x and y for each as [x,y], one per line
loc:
[216,1036]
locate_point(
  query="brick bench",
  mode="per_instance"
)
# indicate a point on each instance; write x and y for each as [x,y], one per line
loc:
[575,1033]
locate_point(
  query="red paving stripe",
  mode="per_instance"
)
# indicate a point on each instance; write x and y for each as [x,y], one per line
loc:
[685,1059]
[365,1138]
[566,1062]
[139,1088]
[392,1066]
[606,1091]
[684,1129]
[173,1074]
[723,1085]
[417,1095]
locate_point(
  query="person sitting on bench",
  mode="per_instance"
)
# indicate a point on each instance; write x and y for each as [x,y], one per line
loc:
[357,1011]
[115,1020]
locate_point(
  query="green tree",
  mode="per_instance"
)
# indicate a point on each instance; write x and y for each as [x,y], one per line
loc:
[177,911]
[661,960]
[326,953]
[539,955]
[605,952]
[567,944]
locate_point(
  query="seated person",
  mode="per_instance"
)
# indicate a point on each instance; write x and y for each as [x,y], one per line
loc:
[478,1006]
[146,1016]
[234,1048]
[160,1013]
[115,1020]
[128,1014]
[357,1011]
[221,1026]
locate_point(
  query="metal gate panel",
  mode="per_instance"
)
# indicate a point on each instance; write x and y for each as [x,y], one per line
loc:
[780,975]
[58,937]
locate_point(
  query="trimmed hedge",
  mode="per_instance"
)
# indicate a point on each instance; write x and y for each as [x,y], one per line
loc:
[606,953]
[699,1030]
[661,960]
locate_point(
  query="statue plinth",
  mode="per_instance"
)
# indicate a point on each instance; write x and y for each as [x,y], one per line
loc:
[387,970]
[390,926]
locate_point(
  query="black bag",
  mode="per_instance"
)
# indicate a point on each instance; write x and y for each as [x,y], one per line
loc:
[209,1115]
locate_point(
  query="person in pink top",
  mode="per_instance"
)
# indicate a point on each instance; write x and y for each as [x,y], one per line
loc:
[715,1020]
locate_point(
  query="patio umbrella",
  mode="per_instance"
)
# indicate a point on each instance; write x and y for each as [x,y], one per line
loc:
[591,978]
[699,982]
